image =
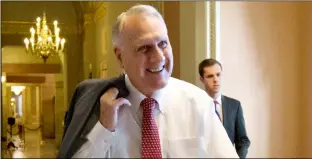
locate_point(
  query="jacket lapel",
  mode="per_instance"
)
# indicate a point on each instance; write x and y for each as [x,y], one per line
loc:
[225,110]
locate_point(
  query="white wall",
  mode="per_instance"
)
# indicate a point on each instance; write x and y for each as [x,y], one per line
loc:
[263,45]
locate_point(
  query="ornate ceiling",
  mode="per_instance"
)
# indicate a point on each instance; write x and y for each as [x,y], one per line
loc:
[90,7]
[92,11]
[18,17]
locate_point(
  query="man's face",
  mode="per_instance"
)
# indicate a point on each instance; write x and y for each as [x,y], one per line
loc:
[145,53]
[212,78]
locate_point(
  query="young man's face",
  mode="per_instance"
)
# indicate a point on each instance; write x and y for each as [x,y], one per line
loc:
[212,78]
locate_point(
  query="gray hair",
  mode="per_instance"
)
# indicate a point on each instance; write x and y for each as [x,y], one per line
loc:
[147,10]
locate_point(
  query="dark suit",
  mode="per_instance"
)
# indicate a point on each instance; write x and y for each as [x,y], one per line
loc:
[234,124]
[83,112]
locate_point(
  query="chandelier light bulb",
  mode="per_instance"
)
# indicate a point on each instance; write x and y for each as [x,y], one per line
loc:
[49,38]
[55,22]
[32,30]
[38,19]
[3,79]
[45,27]
[26,41]
[63,41]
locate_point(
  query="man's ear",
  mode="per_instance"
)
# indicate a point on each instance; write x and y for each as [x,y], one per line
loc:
[201,79]
[118,56]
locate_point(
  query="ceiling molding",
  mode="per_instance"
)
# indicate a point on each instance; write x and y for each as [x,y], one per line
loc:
[90,7]
[22,27]
[30,68]
[25,79]
[97,13]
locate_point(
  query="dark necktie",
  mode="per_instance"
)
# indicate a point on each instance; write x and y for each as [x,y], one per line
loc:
[150,137]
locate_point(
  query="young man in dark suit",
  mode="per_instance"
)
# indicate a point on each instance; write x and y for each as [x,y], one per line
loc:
[228,110]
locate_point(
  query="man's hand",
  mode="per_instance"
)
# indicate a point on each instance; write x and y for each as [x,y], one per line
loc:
[109,108]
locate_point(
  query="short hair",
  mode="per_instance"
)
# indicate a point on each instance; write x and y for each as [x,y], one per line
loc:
[147,10]
[207,63]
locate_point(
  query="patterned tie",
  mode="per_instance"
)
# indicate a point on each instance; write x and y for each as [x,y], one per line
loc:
[150,137]
[215,102]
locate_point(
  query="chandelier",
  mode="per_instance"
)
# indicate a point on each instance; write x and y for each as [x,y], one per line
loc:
[42,42]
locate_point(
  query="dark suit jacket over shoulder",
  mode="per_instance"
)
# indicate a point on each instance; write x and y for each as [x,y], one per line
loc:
[83,112]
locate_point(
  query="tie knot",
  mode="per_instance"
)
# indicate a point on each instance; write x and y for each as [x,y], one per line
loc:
[215,102]
[148,104]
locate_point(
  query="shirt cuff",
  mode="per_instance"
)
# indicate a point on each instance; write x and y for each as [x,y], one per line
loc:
[100,133]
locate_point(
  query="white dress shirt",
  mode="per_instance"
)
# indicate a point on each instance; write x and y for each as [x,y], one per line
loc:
[188,128]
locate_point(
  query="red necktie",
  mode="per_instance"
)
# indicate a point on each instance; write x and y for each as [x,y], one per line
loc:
[150,137]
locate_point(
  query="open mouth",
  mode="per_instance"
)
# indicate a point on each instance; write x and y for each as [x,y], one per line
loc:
[156,70]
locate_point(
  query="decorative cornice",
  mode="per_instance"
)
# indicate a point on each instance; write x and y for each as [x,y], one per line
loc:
[90,7]
[22,27]
[98,13]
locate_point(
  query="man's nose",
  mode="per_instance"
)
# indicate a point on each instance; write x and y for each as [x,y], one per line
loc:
[215,79]
[158,56]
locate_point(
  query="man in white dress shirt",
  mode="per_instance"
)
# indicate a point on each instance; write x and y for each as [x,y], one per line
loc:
[159,117]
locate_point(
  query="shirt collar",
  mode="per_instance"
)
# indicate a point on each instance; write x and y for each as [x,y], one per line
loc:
[219,99]
[135,96]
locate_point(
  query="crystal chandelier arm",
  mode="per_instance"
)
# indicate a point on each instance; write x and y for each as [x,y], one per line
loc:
[55,26]
[32,31]
[32,42]
[38,26]
[62,44]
